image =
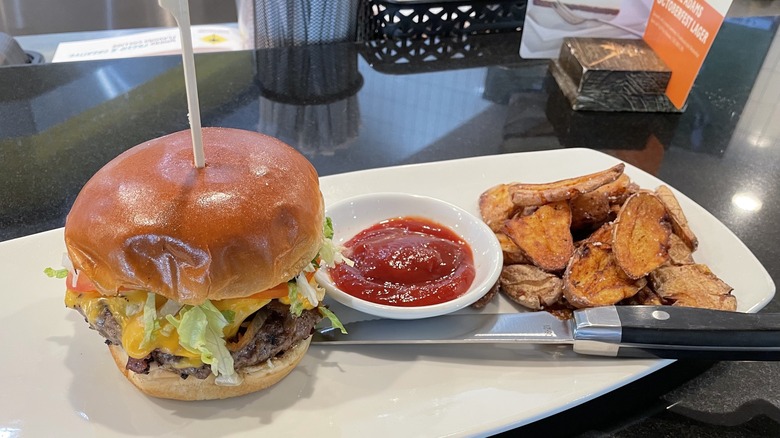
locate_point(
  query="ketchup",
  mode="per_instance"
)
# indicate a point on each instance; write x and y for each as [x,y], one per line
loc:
[407,261]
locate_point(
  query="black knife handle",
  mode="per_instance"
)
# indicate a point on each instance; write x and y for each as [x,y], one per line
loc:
[680,333]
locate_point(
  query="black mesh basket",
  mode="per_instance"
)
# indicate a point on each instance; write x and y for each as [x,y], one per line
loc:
[380,19]
[402,38]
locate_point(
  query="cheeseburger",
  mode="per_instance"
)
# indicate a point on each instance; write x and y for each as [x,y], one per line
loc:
[200,280]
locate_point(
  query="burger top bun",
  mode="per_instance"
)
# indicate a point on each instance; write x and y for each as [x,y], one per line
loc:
[149,220]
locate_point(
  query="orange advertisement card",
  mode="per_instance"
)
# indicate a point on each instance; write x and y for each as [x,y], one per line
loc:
[681,33]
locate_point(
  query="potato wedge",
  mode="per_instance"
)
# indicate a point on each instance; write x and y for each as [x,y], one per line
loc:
[488,297]
[525,195]
[496,206]
[544,236]
[512,253]
[530,286]
[693,286]
[561,310]
[645,297]
[589,210]
[593,278]
[593,209]
[679,252]
[602,236]
[619,190]
[679,222]
[640,238]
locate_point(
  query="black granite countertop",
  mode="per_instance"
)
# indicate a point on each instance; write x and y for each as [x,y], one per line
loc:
[348,108]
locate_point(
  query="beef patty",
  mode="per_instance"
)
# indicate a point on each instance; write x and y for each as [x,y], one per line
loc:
[269,332]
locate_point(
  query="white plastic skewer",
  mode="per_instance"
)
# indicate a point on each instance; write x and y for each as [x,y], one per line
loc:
[180,9]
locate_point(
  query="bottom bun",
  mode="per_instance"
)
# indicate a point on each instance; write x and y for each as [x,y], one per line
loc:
[166,384]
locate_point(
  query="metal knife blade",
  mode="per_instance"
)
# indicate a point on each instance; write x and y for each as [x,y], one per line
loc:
[625,331]
[534,328]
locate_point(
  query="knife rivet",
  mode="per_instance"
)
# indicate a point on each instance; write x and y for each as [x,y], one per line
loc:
[660,315]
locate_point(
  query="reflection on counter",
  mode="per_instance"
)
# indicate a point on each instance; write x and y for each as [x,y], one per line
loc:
[636,138]
[317,111]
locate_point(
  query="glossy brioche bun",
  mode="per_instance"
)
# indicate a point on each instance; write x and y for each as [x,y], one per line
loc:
[149,220]
[166,384]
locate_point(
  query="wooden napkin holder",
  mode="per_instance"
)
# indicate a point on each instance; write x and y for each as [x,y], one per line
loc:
[607,74]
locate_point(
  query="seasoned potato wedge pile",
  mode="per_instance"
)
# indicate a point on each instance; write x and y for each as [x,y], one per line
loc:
[597,240]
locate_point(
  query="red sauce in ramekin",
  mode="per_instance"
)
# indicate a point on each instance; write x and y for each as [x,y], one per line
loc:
[407,261]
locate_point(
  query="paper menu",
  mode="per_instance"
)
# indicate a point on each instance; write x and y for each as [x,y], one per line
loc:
[544,28]
[205,38]
[679,31]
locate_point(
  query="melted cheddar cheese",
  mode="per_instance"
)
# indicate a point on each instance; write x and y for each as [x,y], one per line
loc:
[242,308]
[127,309]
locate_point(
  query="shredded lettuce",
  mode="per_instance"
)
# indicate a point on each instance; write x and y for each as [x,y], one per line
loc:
[170,307]
[327,228]
[334,320]
[306,289]
[167,329]
[201,331]
[132,309]
[330,254]
[151,324]
[296,303]
[56,273]
[229,315]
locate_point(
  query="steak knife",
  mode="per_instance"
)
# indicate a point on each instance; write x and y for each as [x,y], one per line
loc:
[618,331]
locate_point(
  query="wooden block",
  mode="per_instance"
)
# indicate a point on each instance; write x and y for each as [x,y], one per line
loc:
[603,65]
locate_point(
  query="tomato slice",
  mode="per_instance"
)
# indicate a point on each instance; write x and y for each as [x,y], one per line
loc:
[83,283]
[278,291]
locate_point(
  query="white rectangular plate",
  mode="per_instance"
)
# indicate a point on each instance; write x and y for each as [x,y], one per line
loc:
[57,375]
